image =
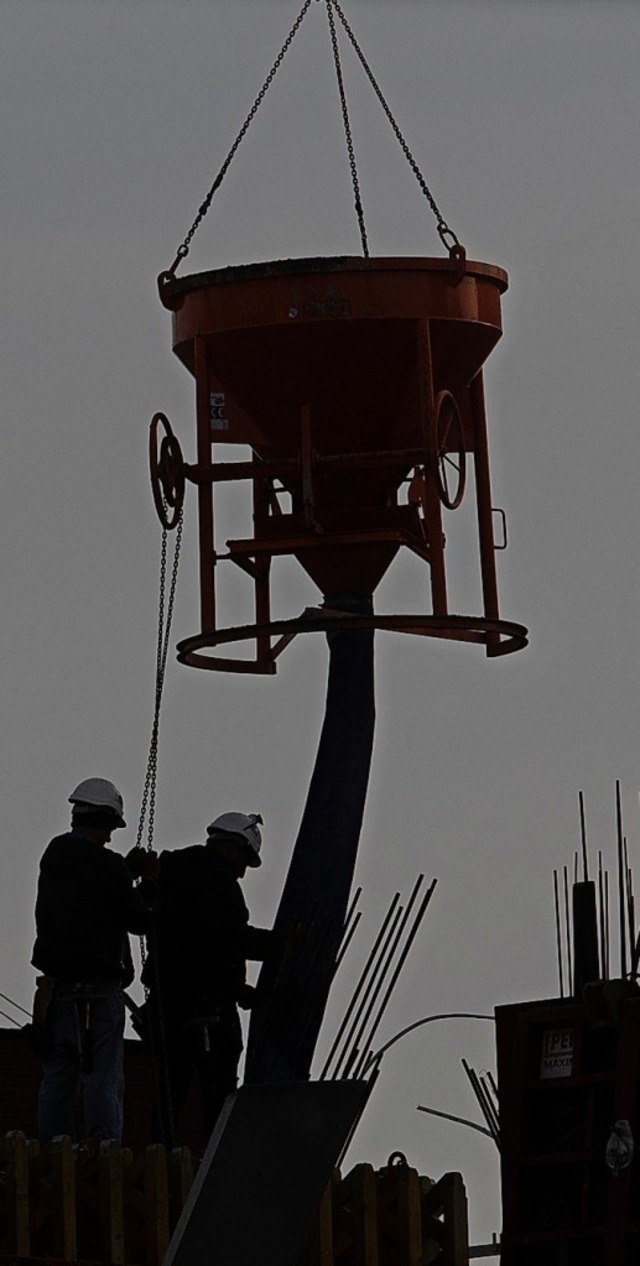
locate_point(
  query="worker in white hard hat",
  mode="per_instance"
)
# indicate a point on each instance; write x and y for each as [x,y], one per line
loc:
[85,907]
[198,977]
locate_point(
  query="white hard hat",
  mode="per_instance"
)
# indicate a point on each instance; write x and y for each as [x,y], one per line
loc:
[99,793]
[242,825]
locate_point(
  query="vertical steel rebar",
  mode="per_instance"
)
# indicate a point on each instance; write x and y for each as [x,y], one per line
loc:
[558,932]
[583,838]
[350,1048]
[398,968]
[601,919]
[629,901]
[377,966]
[567,920]
[360,985]
[346,943]
[607,922]
[621,886]
[483,1100]
[400,924]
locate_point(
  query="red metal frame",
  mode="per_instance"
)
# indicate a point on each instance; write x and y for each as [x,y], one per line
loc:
[331,371]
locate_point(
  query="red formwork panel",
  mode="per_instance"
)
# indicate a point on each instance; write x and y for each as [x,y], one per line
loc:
[566,1073]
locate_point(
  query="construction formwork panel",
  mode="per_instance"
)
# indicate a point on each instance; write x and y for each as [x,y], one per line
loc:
[566,1073]
[264,1172]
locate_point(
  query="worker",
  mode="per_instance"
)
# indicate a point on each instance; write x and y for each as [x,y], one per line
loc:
[86,905]
[197,974]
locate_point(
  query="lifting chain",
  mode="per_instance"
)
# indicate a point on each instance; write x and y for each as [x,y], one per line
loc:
[447,236]
[165,617]
[347,130]
[157,1036]
[183,249]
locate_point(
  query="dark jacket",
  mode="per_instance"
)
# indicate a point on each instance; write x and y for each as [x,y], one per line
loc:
[203,932]
[86,904]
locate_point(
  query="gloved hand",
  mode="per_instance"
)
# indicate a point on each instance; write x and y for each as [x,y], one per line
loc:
[143,864]
[150,866]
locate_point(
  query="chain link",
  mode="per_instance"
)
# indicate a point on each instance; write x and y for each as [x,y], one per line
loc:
[148,807]
[183,249]
[162,649]
[454,245]
[448,238]
[347,131]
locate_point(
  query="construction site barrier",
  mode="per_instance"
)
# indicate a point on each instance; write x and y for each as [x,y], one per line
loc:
[115,1207]
[118,1207]
[391,1217]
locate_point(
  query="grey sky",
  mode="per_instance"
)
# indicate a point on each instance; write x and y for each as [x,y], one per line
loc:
[525,119]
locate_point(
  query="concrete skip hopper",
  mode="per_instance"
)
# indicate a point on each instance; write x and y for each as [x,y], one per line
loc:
[356,384]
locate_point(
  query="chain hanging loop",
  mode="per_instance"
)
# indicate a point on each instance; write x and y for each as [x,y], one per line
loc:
[447,236]
[183,249]
[157,1036]
[347,130]
[165,617]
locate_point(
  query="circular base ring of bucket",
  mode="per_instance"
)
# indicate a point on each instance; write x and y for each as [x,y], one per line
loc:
[500,637]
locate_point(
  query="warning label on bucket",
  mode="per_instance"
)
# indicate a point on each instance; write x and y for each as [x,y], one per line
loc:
[557,1053]
[218,411]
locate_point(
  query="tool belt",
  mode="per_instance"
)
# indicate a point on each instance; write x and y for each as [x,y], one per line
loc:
[84,990]
[82,994]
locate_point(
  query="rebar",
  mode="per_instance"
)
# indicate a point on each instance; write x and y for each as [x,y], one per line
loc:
[601,931]
[567,919]
[355,995]
[374,985]
[486,1107]
[621,897]
[558,932]
[583,837]
[400,964]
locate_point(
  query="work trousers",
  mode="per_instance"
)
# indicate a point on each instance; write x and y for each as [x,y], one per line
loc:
[85,1030]
[207,1045]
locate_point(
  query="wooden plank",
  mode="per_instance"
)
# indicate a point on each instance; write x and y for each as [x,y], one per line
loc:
[432,1224]
[156,1194]
[399,1216]
[133,1205]
[111,1202]
[320,1248]
[63,1183]
[180,1181]
[15,1161]
[356,1218]
[456,1223]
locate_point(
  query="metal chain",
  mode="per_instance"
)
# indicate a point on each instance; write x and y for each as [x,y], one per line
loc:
[162,649]
[157,1034]
[347,130]
[183,249]
[447,236]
